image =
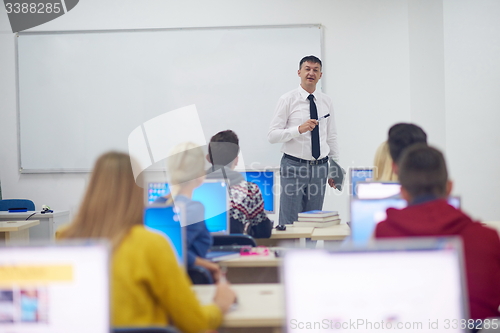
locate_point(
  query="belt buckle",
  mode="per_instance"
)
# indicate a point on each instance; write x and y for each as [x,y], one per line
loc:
[313,162]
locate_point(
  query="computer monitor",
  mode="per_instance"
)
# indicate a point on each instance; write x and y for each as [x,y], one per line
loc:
[410,286]
[265,180]
[55,288]
[167,220]
[212,194]
[363,174]
[366,213]
[377,190]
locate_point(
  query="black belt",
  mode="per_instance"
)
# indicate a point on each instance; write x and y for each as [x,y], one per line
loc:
[313,162]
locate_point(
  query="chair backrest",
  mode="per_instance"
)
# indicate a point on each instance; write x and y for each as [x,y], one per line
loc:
[233,239]
[168,329]
[200,275]
[7,204]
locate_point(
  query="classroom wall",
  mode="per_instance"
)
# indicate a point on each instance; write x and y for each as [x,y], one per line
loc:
[385,61]
[472,76]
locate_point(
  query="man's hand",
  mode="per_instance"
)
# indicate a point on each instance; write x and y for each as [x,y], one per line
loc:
[331,182]
[309,125]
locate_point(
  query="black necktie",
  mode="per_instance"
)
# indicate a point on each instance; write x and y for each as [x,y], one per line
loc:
[315,132]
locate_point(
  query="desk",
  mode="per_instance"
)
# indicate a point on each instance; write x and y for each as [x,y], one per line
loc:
[16,231]
[253,269]
[336,232]
[49,223]
[261,307]
[298,233]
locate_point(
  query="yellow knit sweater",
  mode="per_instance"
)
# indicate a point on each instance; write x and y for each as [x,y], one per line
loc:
[149,288]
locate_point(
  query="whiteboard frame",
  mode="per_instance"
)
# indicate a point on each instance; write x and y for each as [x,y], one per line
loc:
[85,170]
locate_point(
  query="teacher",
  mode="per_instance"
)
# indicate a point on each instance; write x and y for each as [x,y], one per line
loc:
[304,123]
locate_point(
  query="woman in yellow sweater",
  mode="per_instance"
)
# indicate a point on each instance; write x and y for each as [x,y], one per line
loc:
[149,288]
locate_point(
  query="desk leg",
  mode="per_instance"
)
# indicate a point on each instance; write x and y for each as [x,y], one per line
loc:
[21,236]
[302,242]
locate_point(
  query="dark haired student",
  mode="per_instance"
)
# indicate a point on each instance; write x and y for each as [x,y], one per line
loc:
[402,136]
[425,186]
[247,214]
[304,123]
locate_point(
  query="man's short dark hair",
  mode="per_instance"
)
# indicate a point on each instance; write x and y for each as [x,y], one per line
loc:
[223,147]
[311,59]
[422,171]
[402,136]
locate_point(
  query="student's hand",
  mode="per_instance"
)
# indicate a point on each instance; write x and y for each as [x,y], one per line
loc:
[309,125]
[224,296]
[331,182]
[212,267]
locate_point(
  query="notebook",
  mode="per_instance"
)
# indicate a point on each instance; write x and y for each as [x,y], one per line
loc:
[55,288]
[405,286]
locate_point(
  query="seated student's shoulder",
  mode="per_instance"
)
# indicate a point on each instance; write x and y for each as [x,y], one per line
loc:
[484,234]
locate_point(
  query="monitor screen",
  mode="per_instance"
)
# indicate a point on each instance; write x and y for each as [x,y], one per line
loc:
[377,190]
[360,175]
[366,213]
[54,289]
[265,180]
[212,194]
[167,221]
[369,291]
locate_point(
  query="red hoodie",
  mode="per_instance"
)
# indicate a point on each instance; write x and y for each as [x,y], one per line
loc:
[481,247]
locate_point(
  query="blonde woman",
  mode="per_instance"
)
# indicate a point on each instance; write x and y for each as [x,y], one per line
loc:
[186,169]
[149,288]
[383,163]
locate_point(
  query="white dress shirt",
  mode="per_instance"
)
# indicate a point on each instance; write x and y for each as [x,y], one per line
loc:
[291,112]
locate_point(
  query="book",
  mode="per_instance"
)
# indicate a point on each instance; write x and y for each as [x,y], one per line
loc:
[318,213]
[316,224]
[318,219]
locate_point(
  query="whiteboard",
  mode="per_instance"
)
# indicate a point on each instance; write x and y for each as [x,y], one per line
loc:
[82,93]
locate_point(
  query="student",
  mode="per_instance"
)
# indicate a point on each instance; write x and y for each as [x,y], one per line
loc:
[383,163]
[402,136]
[425,186]
[186,170]
[148,287]
[247,214]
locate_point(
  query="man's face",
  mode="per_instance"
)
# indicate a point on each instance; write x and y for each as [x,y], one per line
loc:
[309,73]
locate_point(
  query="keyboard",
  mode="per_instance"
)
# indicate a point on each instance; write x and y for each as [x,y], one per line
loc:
[229,248]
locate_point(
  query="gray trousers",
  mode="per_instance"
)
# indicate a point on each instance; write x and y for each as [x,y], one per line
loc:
[303,188]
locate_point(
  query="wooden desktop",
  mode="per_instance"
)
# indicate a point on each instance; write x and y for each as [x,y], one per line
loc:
[12,232]
[260,308]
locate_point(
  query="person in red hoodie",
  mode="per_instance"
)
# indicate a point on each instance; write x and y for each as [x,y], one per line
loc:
[425,186]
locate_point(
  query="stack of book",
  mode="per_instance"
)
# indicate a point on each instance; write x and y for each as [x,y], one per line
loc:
[317,219]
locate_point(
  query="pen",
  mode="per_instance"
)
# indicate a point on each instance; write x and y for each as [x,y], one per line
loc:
[323,117]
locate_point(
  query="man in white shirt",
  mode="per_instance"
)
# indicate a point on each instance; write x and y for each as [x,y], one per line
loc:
[304,123]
